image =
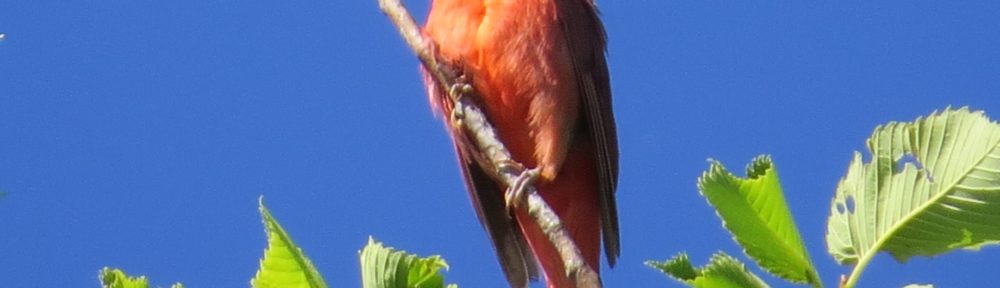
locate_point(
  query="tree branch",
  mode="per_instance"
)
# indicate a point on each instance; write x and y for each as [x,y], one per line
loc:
[470,117]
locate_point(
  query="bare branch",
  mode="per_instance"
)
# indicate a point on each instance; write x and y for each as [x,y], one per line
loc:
[498,159]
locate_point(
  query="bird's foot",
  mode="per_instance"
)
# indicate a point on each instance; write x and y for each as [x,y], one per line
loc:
[461,87]
[517,192]
[458,90]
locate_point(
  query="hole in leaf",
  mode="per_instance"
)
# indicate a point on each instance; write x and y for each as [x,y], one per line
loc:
[912,160]
[849,204]
[907,158]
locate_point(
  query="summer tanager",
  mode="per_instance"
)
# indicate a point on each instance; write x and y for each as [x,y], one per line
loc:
[540,69]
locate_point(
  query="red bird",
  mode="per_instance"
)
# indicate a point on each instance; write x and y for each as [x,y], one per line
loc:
[540,69]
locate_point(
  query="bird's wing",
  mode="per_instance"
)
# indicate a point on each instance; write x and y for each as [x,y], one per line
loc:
[586,40]
[513,252]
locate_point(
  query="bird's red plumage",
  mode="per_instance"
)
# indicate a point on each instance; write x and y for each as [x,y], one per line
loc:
[539,88]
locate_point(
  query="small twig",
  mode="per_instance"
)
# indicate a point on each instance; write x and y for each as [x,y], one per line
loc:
[484,136]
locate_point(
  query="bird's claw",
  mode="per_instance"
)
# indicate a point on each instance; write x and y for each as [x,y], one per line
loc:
[517,192]
[457,90]
[461,86]
[510,166]
[457,114]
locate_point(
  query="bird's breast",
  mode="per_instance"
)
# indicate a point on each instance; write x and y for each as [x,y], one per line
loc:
[519,62]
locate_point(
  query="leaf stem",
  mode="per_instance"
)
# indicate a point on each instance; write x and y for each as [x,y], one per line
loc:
[856,273]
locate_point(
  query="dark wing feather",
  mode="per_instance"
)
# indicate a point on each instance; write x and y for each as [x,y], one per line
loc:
[586,40]
[515,258]
[512,250]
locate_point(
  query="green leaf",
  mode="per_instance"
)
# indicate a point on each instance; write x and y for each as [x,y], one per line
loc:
[932,185]
[383,267]
[753,209]
[116,278]
[722,271]
[284,264]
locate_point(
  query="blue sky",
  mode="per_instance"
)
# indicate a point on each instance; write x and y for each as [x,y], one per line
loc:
[139,134]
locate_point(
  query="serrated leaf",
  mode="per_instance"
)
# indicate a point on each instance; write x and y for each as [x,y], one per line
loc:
[722,271]
[679,267]
[932,185]
[384,267]
[753,209]
[116,278]
[284,264]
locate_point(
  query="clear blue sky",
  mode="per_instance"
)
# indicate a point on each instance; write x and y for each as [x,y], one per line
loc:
[139,134]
